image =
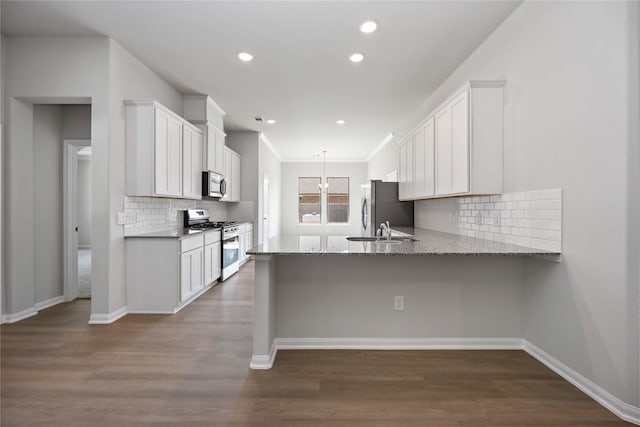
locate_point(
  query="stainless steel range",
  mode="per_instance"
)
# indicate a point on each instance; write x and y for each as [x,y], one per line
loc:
[230,249]
[199,219]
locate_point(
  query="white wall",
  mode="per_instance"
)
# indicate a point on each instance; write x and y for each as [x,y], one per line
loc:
[291,171]
[72,70]
[129,79]
[43,70]
[384,162]
[84,201]
[245,143]
[570,123]
[47,175]
[454,297]
[257,159]
[269,164]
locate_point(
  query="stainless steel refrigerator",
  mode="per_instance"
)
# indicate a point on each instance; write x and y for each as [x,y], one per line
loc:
[380,203]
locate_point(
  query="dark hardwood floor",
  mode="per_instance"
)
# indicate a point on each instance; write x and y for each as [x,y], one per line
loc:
[191,369]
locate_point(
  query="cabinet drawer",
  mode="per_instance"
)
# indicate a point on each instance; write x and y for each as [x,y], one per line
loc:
[191,243]
[211,237]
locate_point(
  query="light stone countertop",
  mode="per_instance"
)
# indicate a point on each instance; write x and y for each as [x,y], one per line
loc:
[429,242]
[174,233]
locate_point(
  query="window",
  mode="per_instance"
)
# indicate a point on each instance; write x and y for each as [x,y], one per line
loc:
[312,203]
[309,203]
[338,199]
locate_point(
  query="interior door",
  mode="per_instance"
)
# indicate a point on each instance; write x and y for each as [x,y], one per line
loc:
[265,209]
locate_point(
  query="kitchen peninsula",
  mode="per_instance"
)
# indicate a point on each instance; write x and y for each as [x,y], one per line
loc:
[326,292]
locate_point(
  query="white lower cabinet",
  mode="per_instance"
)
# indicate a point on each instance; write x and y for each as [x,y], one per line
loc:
[191,273]
[165,274]
[245,237]
[212,257]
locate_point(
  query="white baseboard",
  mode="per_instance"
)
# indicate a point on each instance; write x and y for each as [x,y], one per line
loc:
[103,319]
[264,361]
[621,409]
[21,315]
[194,296]
[398,343]
[618,407]
[151,311]
[49,303]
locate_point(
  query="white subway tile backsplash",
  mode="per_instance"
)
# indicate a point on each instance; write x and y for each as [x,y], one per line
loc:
[153,214]
[530,218]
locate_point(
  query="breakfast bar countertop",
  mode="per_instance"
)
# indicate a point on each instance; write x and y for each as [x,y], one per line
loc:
[429,242]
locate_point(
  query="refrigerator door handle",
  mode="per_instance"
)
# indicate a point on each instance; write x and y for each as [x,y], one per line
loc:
[365,220]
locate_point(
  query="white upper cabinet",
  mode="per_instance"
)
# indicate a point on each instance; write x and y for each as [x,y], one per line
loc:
[213,140]
[460,143]
[168,154]
[458,150]
[203,111]
[443,151]
[423,167]
[231,175]
[192,162]
[215,149]
[402,171]
[405,189]
[163,152]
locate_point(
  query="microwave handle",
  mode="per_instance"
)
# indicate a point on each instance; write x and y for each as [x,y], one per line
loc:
[223,187]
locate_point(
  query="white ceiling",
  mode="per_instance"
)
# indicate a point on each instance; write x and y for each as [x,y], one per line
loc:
[301,75]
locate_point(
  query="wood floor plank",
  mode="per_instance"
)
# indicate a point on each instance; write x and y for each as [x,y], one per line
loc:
[191,369]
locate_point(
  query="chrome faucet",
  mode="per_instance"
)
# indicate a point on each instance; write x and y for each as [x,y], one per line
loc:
[384,227]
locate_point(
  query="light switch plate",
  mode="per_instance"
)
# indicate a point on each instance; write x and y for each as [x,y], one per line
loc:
[121,218]
[126,218]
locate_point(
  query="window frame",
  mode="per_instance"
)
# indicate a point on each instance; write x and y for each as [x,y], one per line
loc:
[348,194]
[300,194]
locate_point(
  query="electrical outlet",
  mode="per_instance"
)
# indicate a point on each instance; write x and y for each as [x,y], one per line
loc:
[126,218]
[478,219]
[398,302]
[496,220]
[171,215]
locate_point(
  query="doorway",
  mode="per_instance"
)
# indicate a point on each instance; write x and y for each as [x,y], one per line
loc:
[77,219]
[265,210]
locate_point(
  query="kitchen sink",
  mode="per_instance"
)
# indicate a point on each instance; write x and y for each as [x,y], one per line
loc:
[394,239]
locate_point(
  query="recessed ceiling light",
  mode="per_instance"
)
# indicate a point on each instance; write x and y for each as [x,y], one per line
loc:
[271,121]
[369,26]
[340,122]
[244,56]
[356,57]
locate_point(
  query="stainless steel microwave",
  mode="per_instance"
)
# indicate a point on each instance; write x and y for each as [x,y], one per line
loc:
[213,185]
